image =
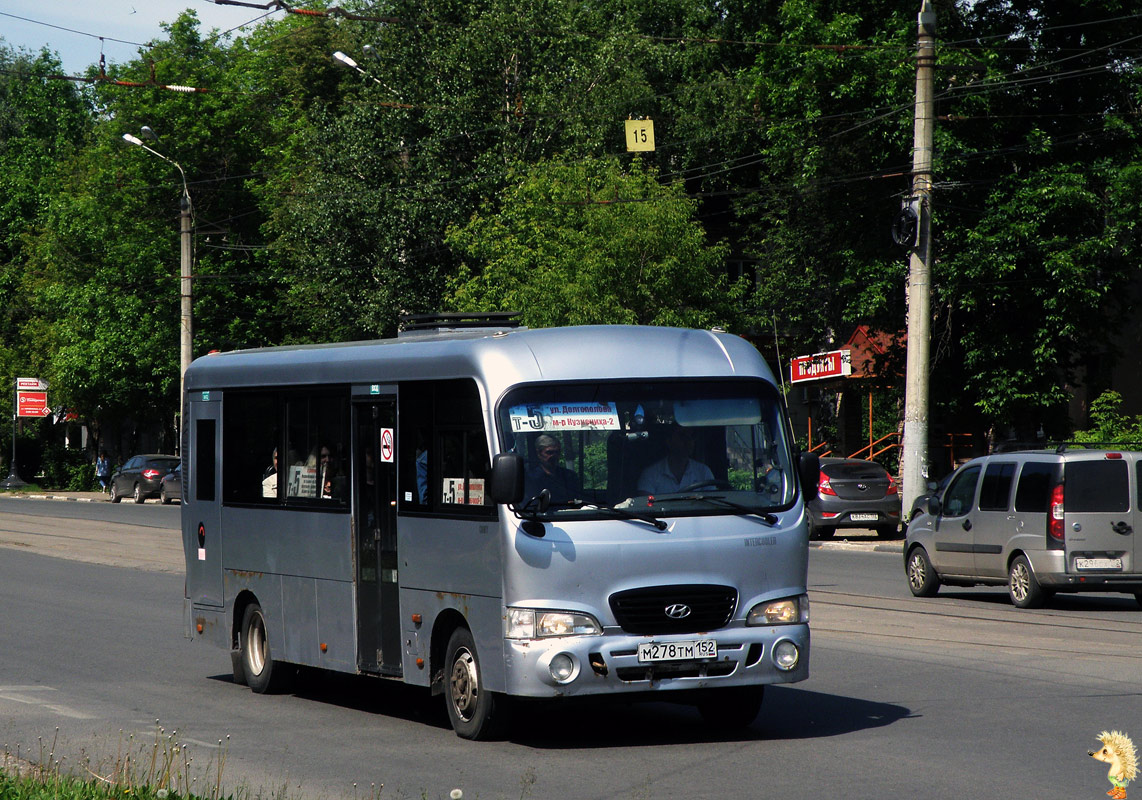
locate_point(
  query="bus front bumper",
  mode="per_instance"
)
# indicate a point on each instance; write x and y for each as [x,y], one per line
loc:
[610,663]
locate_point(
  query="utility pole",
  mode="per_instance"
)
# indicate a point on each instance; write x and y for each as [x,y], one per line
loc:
[186,290]
[915,439]
[186,316]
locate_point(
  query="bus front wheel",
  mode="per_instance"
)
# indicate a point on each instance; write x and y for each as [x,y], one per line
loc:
[471,707]
[257,660]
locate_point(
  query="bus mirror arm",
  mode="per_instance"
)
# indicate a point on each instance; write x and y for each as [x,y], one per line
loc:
[809,471]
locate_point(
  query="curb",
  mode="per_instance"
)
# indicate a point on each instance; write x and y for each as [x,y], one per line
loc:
[875,547]
[73,497]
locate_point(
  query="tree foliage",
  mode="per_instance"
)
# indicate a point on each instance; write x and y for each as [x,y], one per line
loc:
[479,163]
[585,243]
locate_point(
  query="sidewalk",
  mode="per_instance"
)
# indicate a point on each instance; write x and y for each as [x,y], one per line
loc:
[117,542]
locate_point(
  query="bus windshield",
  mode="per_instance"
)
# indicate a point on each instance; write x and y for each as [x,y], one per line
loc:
[655,448]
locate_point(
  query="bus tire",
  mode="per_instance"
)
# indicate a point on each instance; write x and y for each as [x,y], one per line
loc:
[257,660]
[731,708]
[471,708]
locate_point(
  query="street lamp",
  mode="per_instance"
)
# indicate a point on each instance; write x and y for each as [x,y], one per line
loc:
[187,309]
[349,63]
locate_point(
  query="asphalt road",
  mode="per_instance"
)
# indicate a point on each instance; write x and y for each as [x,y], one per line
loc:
[958,696]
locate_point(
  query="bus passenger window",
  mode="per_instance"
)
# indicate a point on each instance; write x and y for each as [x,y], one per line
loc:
[250,432]
[316,430]
[443,457]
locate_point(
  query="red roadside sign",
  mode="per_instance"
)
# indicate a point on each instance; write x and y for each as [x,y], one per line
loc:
[834,364]
[32,404]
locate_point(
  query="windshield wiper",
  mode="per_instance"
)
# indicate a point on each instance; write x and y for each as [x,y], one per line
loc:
[575,505]
[765,516]
[625,514]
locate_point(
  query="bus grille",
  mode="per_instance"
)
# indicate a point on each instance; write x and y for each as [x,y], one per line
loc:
[663,609]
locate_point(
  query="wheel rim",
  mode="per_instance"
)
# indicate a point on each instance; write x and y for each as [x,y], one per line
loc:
[1020,582]
[138,493]
[917,572]
[464,685]
[256,644]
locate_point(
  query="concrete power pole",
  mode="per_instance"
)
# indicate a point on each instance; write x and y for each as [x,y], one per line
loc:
[915,439]
[186,308]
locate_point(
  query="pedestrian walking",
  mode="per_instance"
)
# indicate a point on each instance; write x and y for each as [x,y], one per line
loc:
[103,470]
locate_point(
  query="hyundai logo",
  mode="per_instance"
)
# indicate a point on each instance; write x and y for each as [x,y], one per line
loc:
[863,487]
[677,611]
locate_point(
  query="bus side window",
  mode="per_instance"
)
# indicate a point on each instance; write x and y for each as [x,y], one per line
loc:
[316,426]
[444,451]
[205,462]
[250,433]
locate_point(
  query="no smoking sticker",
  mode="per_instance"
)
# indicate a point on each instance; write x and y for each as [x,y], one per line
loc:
[386,445]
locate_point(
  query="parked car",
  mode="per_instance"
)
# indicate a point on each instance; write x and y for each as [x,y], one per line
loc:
[141,477]
[1038,521]
[933,489]
[170,488]
[853,493]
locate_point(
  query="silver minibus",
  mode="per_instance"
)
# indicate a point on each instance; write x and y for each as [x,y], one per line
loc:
[492,512]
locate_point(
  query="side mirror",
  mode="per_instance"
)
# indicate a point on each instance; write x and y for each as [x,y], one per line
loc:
[933,506]
[506,479]
[809,471]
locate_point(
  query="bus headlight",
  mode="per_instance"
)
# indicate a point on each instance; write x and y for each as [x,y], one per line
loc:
[789,611]
[530,623]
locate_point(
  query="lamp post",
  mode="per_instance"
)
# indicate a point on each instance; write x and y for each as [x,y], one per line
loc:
[186,321]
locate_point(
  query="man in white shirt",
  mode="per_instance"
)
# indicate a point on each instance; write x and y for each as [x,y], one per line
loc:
[677,470]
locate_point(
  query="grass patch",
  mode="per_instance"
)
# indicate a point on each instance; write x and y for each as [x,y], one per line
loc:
[158,768]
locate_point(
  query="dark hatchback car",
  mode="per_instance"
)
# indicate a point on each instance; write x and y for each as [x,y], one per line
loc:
[853,493]
[170,489]
[141,477]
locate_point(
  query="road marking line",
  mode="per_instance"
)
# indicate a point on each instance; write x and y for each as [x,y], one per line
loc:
[16,694]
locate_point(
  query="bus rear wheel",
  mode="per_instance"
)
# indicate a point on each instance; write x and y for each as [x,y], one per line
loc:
[257,660]
[471,707]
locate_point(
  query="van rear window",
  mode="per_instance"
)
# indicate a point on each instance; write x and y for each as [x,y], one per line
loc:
[1036,480]
[1097,486]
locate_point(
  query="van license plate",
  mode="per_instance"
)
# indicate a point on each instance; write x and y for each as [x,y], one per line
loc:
[1098,563]
[864,517]
[677,651]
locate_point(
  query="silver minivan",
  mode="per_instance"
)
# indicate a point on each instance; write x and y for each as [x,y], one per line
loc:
[1038,521]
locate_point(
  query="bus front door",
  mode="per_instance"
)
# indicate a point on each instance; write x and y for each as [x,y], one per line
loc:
[378,623]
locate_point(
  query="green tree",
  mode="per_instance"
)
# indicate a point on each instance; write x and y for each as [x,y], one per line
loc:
[589,242]
[1109,425]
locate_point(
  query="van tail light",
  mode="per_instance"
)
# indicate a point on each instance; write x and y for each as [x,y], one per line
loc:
[824,487]
[892,488]
[1055,534]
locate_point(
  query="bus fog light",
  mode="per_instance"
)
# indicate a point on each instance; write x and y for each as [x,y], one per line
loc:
[785,655]
[562,667]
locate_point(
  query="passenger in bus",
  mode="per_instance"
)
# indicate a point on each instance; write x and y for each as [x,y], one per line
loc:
[270,478]
[677,469]
[421,467]
[549,474]
[327,472]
